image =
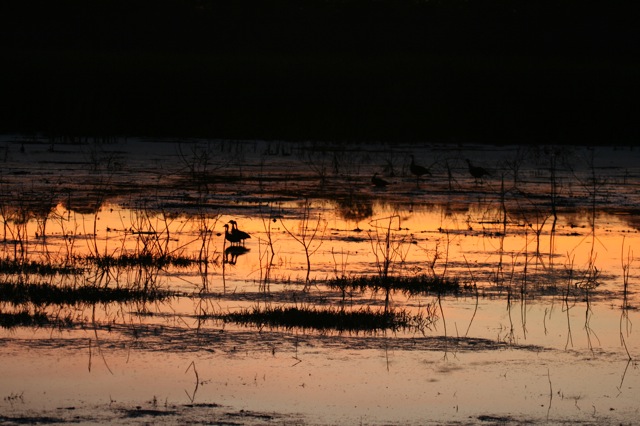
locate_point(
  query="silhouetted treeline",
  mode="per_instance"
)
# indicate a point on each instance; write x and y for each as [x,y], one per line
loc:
[486,70]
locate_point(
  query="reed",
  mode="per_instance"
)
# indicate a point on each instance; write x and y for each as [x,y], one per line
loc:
[15,267]
[625,322]
[148,260]
[386,249]
[420,284]
[43,294]
[308,233]
[268,255]
[341,276]
[325,319]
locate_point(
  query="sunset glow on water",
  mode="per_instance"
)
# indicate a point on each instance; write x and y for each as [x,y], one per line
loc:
[541,328]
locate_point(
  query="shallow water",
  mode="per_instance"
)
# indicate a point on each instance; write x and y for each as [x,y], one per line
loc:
[548,336]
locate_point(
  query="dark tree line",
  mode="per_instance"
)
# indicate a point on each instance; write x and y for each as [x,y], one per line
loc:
[486,70]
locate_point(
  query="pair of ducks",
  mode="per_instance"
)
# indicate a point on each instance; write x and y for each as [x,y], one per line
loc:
[236,236]
[477,172]
[415,169]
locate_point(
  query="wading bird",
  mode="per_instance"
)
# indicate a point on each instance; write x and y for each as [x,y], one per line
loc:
[477,172]
[229,236]
[238,234]
[378,182]
[418,170]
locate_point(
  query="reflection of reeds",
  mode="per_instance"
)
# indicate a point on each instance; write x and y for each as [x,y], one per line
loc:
[268,255]
[626,268]
[341,276]
[625,323]
[385,249]
[307,233]
[475,289]
[23,319]
[14,267]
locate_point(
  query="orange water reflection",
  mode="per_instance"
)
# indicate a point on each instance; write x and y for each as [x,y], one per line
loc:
[473,247]
[525,331]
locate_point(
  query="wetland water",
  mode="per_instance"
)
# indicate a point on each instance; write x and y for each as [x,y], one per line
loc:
[122,301]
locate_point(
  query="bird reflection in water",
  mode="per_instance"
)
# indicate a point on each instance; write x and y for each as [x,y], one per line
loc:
[232,253]
[236,237]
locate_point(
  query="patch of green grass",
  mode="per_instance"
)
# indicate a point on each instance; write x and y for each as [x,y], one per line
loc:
[326,319]
[418,284]
[47,294]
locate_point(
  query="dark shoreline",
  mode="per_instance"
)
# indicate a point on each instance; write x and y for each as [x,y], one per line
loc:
[447,71]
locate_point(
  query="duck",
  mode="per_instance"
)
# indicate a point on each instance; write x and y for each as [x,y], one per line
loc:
[418,170]
[477,172]
[229,236]
[238,234]
[378,182]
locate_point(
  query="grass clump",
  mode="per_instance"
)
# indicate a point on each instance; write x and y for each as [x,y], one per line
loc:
[148,260]
[414,285]
[326,319]
[47,294]
[14,267]
[23,319]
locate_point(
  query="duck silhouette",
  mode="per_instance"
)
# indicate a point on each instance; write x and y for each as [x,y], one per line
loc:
[229,236]
[237,234]
[477,172]
[418,171]
[378,182]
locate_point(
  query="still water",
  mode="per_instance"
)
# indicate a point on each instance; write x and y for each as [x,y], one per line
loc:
[544,248]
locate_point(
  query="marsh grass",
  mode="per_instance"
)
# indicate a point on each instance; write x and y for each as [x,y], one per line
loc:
[19,294]
[326,319]
[148,260]
[15,267]
[409,285]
